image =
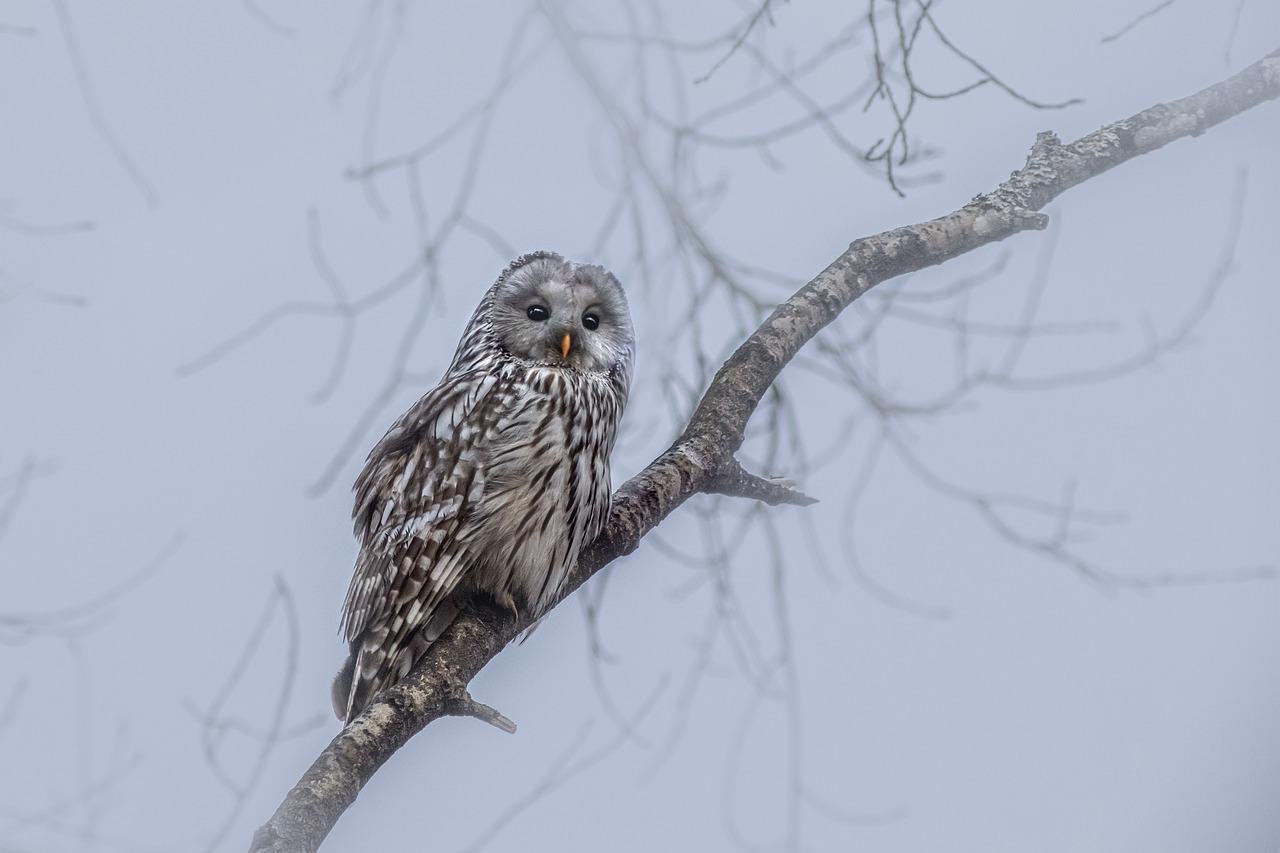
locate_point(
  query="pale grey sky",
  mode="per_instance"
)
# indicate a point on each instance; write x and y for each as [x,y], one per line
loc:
[951,691]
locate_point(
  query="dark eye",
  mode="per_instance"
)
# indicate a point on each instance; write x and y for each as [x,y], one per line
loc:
[590,321]
[538,312]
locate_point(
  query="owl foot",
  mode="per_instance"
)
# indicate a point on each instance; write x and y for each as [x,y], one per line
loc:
[505,600]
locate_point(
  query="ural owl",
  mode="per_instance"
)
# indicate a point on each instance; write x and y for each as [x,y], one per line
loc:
[495,480]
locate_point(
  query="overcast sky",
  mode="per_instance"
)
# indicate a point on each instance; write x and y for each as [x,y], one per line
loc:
[883,671]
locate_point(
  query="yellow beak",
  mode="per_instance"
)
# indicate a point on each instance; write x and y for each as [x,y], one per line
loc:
[564,347]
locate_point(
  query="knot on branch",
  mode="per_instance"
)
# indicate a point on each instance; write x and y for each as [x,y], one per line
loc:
[735,481]
[999,219]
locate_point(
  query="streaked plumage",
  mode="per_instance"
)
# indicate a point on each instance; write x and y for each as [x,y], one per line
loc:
[493,481]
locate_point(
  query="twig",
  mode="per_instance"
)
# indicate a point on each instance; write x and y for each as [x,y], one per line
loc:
[1155,10]
[96,116]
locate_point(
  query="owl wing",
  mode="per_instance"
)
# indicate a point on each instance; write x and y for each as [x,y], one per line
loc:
[413,502]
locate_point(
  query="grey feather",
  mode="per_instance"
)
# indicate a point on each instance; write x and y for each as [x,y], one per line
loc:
[495,480]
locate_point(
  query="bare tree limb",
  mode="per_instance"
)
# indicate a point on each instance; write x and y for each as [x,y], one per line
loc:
[96,116]
[1152,12]
[266,20]
[704,452]
[736,482]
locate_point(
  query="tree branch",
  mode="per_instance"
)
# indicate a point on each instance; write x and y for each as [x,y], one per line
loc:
[702,458]
[737,482]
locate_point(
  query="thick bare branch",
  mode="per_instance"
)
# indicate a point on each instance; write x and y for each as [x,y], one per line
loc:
[704,453]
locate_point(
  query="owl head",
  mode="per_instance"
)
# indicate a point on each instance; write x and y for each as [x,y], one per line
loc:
[549,311]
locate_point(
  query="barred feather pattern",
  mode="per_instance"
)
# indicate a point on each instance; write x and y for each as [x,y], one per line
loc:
[492,483]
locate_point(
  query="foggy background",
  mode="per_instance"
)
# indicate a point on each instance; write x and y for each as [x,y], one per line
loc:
[882,671]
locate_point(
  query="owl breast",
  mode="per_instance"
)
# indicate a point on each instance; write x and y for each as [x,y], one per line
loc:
[547,485]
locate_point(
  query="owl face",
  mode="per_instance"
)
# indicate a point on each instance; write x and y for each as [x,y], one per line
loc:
[553,312]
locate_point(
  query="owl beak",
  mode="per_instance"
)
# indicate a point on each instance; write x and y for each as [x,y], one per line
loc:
[564,346]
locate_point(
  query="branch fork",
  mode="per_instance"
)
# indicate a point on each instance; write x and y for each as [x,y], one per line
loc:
[735,481]
[465,706]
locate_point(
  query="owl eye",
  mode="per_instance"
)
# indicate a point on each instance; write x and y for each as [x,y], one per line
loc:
[538,312]
[590,321]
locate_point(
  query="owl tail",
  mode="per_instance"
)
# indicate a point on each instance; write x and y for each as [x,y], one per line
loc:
[340,692]
[379,660]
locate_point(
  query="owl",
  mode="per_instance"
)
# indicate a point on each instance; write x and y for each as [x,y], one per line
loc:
[494,481]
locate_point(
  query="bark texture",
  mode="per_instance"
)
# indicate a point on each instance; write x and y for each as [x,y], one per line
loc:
[702,458]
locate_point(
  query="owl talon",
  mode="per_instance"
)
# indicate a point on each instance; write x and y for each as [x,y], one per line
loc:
[508,603]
